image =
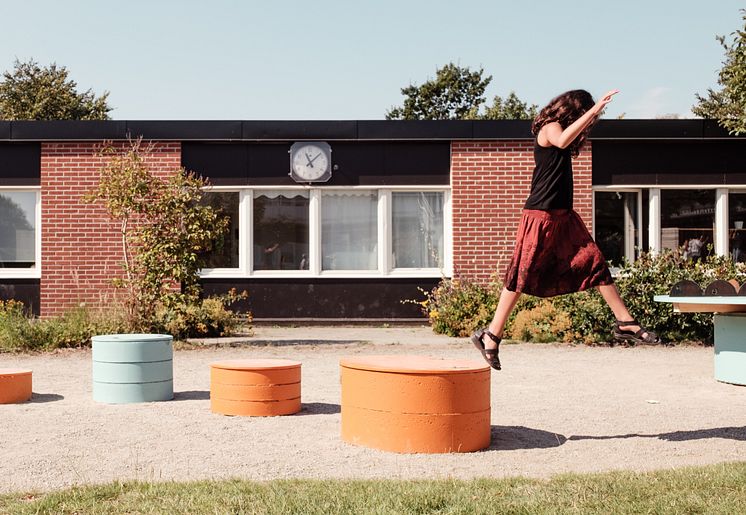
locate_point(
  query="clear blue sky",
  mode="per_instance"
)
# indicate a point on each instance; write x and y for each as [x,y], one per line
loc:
[326,60]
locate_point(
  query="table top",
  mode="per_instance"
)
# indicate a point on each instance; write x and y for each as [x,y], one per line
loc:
[706,304]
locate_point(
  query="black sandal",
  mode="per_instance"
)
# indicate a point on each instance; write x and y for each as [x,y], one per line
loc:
[642,336]
[489,355]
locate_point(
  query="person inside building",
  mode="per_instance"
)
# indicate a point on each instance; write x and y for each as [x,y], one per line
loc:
[554,252]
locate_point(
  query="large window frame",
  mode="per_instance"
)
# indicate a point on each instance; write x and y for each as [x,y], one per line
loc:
[35,271]
[631,246]
[384,223]
[652,232]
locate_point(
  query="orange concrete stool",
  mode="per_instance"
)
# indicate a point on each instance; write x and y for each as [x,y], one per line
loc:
[416,404]
[255,387]
[15,385]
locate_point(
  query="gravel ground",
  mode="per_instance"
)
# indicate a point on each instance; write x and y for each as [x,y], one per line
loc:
[555,409]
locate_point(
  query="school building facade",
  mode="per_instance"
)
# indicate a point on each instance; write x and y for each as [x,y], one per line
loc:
[339,220]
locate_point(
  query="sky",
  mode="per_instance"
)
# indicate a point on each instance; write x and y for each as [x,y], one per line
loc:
[348,60]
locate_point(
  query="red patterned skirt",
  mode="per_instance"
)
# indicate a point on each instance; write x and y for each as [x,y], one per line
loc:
[554,255]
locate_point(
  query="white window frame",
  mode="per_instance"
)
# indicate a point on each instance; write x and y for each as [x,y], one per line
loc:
[385,269]
[722,223]
[35,271]
[629,253]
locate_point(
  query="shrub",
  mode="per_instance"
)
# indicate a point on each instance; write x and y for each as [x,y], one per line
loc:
[209,317]
[457,307]
[543,323]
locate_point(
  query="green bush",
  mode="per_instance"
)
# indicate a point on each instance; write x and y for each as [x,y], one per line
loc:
[183,318]
[20,331]
[458,307]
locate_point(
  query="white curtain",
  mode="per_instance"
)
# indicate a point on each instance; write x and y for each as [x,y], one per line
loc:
[349,230]
[417,232]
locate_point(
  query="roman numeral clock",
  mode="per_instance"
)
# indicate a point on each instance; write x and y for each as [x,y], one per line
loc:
[311,161]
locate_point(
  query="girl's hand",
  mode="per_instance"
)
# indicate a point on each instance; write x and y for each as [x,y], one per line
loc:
[601,104]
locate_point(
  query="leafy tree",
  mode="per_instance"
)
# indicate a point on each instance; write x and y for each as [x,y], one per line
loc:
[457,93]
[728,105]
[165,231]
[32,92]
[512,108]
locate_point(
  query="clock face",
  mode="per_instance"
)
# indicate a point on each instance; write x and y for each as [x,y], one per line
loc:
[310,161]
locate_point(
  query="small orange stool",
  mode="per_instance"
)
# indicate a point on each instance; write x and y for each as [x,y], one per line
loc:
[416,404]
[255,387]
[15,385]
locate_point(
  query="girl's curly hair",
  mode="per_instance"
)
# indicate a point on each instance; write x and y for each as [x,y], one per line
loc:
[565,109]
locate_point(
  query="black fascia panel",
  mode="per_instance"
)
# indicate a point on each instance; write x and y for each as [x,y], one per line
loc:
[502,129]
[67,130]
[648,129]
[4,130]
[299,130]
[415,129]
[712,129]
[184,130]
[224,164]
[20,164]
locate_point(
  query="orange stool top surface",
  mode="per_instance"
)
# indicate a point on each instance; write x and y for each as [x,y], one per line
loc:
[256,364]
[414,364]
[14,371]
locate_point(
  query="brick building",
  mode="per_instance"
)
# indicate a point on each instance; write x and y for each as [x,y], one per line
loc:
[401,205]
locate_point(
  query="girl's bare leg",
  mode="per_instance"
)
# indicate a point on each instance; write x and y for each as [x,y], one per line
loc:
[615,302]
[505,305]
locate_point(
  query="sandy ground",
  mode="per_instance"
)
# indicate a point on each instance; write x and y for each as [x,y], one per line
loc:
[555,409]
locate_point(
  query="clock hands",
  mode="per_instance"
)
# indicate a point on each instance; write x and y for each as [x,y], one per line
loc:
[308,158]
[315,158]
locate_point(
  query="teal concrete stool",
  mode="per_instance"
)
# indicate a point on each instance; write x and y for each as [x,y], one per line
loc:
[133,368]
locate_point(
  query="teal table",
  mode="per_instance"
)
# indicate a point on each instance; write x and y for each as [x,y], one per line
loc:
[730,331]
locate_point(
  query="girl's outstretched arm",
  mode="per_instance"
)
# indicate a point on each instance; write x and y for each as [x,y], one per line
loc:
[553,134]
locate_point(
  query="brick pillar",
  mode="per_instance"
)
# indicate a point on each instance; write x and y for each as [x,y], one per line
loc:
[81,247]
[490,182]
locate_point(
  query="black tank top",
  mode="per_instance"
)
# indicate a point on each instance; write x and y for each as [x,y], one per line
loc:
[551,184]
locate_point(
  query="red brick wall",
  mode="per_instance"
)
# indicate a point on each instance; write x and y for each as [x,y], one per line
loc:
[490,182]
[81,246]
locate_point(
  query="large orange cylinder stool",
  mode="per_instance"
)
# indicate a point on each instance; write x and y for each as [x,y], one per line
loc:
[15,385]
[415,404]
[255,387]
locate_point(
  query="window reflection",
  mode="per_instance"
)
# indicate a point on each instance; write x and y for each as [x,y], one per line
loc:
[688,221]
[281,230]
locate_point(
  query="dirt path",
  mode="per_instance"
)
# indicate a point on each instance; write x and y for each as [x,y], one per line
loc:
[555,409]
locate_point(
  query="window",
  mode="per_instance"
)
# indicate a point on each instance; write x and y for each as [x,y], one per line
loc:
[19,252]
[616,224]
[417,229]
[688,221]
[736,230]
[281,230]
[349,231]
[332,232]
[227,202]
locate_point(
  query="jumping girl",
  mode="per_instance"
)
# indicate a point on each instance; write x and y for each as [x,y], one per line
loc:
[554,252]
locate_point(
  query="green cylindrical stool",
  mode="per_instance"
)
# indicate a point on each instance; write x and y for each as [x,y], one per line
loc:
[132,368]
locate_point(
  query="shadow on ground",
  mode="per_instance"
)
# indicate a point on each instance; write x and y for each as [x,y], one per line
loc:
[192,395]
[45,397]
[729,433]
[511,438]
[319,408]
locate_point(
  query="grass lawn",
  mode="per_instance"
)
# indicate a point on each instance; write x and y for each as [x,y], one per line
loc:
[711,489]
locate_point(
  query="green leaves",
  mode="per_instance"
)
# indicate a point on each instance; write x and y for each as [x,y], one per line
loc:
[457,93]
[165,231]
[728,104]
[32,92]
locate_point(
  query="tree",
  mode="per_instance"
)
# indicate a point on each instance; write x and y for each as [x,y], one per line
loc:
[512,108]
[728,105]
[457,93]
[165,231]
[32,92]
